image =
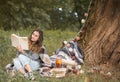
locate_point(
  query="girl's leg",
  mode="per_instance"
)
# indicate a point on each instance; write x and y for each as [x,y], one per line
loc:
[35,65]
[25,62]
[28,68]
[18,66]
[29,64]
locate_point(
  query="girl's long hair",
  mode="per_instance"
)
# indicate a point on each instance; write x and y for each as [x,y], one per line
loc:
[36,46]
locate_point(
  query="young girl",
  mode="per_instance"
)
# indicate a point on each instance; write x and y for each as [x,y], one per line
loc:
[28,60]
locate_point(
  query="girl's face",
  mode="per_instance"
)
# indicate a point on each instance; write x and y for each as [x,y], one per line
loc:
[35,36]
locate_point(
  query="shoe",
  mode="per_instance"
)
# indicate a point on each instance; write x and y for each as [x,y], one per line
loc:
[31,76]
[26,75]
[8,67]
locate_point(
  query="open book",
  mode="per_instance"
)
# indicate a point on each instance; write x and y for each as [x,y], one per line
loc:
[19,41]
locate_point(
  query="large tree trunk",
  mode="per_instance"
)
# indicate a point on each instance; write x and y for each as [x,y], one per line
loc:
[102,39]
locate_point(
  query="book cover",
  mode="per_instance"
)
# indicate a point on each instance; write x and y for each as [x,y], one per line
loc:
[19,41]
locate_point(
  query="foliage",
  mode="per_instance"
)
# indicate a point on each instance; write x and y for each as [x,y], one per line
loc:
[47,14]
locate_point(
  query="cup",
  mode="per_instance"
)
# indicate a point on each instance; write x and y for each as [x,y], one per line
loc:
[58,62]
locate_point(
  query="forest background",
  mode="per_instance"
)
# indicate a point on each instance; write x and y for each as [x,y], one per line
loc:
[46,14]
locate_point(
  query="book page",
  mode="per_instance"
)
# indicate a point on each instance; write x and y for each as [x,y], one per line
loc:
[23,41]
[19,41]
[15,40]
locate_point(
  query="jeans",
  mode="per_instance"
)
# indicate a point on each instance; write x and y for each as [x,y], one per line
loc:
[22,60]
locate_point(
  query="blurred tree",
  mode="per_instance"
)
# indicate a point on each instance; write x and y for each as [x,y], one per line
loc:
[47,14]
[23,14]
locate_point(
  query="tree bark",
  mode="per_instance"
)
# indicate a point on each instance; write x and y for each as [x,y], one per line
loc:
[102,37]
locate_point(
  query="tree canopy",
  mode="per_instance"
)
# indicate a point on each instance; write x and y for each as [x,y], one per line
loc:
[47,14]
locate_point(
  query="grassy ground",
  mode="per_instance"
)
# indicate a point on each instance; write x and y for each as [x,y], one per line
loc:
[52,41]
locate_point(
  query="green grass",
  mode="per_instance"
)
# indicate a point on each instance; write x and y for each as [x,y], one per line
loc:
[52,41]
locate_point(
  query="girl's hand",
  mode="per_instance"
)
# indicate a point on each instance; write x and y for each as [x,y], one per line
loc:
[19,48]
